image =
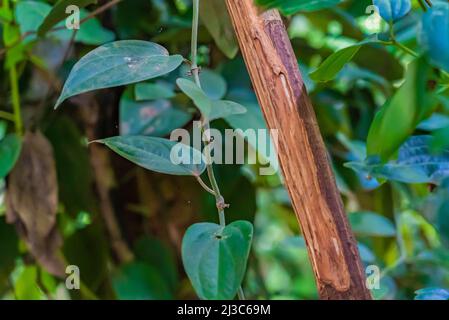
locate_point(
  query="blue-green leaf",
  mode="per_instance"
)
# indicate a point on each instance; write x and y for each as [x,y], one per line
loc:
[215,258]
[118,63]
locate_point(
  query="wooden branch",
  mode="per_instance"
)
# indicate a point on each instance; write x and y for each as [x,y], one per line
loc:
[280,89]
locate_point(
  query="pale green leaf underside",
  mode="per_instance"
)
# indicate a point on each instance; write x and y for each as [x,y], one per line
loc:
[210,109]
[154,154]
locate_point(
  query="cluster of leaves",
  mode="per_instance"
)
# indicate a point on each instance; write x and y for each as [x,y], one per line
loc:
[380,86]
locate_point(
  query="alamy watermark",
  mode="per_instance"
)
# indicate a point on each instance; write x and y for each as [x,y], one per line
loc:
[236,146]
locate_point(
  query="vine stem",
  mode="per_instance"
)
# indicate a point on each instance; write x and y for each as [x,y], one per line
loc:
[15,98]
[220,202]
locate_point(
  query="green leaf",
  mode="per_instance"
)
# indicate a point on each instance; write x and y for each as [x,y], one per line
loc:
[371,224]
[212,83]
[9,153]
[157,154]
[140,281]
[215,258]
[215,17]
[289,7]
[58,14]
[210,109]
[334,63]
[416,163]
[153,91]
[398,118]
[30,14]
[154,118]
[329,69]
[118,63]
[157,254]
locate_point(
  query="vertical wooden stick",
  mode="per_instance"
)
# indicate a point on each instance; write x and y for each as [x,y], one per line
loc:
[275,75]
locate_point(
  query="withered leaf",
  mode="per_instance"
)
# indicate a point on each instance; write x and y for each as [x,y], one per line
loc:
[32,200]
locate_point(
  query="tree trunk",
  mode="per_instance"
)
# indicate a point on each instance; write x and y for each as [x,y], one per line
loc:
[308,176]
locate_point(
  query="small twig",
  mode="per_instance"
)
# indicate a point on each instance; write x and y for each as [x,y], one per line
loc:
[204,185]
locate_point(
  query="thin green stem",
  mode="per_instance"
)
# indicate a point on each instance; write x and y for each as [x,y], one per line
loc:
[220,202]
[7,116]
[15,98]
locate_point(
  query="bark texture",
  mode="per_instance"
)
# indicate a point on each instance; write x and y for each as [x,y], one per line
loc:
[309,179]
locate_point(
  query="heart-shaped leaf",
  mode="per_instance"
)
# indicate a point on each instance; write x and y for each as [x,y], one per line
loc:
[215,258]
[392,10]
[118,63]
[157,154]
[211,109]
[9,153]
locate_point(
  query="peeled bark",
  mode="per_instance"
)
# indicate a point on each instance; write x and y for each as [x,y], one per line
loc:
[309,179]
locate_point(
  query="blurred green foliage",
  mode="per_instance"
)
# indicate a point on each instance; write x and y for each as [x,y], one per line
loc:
[380,87]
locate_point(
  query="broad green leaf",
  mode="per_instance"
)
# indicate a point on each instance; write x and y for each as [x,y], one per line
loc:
[58,13]
[157,154]
[371,224]
[398,118]
[140,281]
[9,153]
[215,258]
[289,7]
[416,163]
[154,118]
[152,91]
[432,294]
[26,285]
[118,63]
[215,17]
[433,34]
[211,109]
[392,10]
